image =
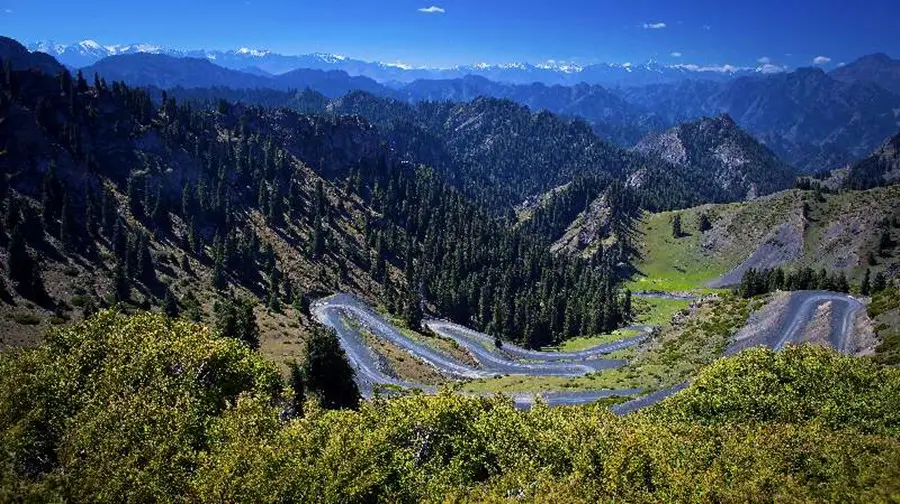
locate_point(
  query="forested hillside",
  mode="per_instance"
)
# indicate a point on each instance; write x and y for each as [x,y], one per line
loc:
[180,205]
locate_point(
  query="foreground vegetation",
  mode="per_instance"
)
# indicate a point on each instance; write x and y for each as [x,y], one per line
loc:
[144,409]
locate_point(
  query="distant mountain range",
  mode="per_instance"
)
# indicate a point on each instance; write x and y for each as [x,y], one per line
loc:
[89,52]
[812,119]
[163,71]
[807,117]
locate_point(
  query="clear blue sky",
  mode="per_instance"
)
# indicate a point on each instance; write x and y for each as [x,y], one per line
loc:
[790,32]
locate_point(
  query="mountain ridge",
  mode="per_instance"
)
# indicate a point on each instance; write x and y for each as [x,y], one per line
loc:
[88,52]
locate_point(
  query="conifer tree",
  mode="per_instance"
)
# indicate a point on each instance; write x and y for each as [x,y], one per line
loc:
[676,226]
[170,305]
[121,286]
[865,287]
[21,267]
[880,283]
[298,387]
[704,225]
[327,373]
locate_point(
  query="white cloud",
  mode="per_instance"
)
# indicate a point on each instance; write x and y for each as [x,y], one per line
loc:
[707,27]
[765,60]
[434,9]
[821,60]
[7,11]
[675,54]
[653,26]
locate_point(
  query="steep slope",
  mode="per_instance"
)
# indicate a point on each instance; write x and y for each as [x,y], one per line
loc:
[109,200]
[19,58]
[881,168]
[808,118]
[170,208]
[610,116]
[729,157]
[878,68]
[502,154]
[838,232]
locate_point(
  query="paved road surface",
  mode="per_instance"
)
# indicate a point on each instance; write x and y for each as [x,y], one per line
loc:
[372,373]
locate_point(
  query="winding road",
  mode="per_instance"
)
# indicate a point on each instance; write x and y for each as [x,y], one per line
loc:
[373,374]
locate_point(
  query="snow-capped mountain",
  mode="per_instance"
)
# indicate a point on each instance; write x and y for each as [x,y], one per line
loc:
[88,52]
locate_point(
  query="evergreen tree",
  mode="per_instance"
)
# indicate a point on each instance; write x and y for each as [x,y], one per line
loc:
[21,267]
[884,242]
[170,305]
[676,226]
[298,387]
[274,297]
[328,374]
[865,287]
[236,319]
[121,286]
[704,225]
[192,309]
[66,226]
[317,242]
[880,283]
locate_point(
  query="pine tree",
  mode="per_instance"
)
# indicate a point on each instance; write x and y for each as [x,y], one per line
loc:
[884,242]
[66,227]
[192,309]
[236,319]
[298,387]
[704,225]
[865,287]
[90,219]
[328,374]
[880,283]
[274,298]
[21,267]
[121,286]
[676,226]
[170,305]
[317,245]
[50,199]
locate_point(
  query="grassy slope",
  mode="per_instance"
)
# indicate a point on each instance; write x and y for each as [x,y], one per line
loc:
[282,334]
[885,312]
[582,342]
[678,352]
[839,234]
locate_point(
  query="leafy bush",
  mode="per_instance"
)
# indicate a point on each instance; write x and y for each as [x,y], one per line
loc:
[26,319]
[142,409]
[800,384]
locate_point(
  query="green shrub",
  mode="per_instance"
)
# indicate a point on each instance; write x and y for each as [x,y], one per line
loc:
[143,409]
[26,319]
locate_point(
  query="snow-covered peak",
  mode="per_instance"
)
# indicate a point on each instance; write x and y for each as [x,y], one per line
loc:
[258,53]
[560,66]
[47,46]
[725,69]
[513,66]
[90,45]
[328,57]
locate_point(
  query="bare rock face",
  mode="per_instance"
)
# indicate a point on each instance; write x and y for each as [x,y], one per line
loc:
[717,151]
[588,230]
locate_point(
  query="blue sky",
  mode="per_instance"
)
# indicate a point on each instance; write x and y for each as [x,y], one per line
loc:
[787,32]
